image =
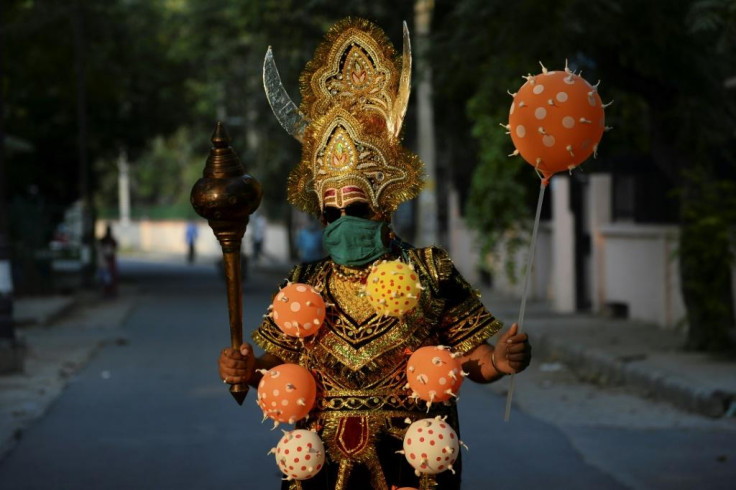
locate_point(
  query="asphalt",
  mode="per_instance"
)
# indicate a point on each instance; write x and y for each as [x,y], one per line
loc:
[62,333]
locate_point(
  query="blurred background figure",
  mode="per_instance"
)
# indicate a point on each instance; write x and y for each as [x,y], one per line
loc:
[309,242]
[191,238]
[258,225]
[108,268]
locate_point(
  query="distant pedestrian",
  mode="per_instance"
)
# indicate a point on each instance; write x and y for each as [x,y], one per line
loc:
[108,270]
[309,242]
[258,224]
[191,238]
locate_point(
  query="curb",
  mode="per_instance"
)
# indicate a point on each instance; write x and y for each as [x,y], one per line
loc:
[598,367]
[44,316]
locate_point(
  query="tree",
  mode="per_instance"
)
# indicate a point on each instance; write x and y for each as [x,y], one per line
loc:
[133,90]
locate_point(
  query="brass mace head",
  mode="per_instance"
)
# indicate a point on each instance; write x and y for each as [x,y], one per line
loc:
[225,195]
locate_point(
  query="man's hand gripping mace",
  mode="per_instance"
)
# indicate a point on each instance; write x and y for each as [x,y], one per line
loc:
[226,197]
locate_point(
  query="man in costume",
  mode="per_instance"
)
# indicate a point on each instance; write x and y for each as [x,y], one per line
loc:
[353,174]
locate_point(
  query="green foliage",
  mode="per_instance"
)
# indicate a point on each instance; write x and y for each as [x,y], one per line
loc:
[708,216]
[496,203]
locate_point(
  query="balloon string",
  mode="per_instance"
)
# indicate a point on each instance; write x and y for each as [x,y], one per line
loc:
[527,278]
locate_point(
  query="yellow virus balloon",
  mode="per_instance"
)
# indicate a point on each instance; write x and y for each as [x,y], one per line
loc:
[393,288]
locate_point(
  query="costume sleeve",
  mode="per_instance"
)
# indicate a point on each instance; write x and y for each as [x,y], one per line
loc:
[272,340]
[465,323]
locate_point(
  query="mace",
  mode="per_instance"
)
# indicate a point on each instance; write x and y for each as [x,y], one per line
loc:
[226,197]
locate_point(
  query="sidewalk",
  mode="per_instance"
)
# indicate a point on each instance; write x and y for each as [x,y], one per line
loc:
[615,352]
[61,334]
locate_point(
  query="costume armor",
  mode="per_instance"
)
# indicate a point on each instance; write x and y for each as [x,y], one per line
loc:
[359,359]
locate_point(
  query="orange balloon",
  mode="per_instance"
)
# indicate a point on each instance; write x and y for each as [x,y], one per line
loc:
[433,374]
[286,393]
[556,121]
[298,310]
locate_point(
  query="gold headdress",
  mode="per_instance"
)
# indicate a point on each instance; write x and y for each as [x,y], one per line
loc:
[355,92]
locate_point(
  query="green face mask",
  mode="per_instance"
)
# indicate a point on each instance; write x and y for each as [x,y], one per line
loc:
[353,241]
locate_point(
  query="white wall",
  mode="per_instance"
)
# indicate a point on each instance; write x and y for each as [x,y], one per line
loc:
[167,237]
[639,268]
[465,252]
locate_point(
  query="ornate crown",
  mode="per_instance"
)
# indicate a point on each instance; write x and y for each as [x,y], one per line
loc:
[355,91]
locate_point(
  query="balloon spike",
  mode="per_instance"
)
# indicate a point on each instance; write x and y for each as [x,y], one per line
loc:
[606,105]
[511,94]
[541,130]
[515,153]
[567,68]
[585,121]
[569,149]
[607,128]
[544,69]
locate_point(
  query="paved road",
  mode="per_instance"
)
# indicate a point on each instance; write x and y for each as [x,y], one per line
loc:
[152,414]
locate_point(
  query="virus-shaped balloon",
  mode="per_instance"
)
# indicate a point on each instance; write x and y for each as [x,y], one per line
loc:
[286,393]
[556,121]
[393,288]
[434,374]
[298,310]
[300,454]
[431,446]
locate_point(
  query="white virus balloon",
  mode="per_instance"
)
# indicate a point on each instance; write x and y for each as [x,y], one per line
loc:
[431,446]
[300,454]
